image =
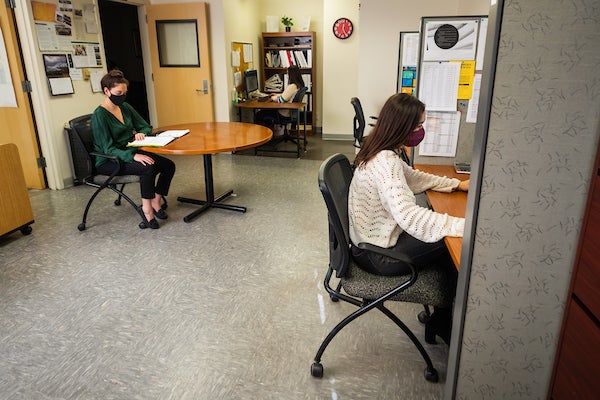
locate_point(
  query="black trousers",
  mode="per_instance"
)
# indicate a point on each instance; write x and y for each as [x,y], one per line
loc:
[149,185]
[422,254]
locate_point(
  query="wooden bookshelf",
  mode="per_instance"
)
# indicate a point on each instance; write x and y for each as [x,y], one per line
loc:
[299,48]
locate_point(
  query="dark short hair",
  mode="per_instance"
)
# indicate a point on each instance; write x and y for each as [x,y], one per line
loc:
[112,79]
[399,116]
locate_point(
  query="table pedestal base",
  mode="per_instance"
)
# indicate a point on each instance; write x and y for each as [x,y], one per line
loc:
[206,205]
[211,201]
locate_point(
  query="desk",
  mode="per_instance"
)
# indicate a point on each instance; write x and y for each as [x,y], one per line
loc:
[270,105]
[208,138]
[454,203]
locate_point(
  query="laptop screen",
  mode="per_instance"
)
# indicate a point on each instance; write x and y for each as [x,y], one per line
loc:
[251,81]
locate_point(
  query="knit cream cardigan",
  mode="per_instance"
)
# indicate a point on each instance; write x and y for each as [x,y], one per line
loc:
[381,203]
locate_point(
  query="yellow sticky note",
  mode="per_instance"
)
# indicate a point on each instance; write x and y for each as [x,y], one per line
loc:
[465,81]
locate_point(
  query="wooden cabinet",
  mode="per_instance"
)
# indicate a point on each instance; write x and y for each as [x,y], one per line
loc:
[15,208]
[576,370]
[280,49]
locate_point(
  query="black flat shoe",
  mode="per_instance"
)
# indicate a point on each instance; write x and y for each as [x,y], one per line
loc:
[161,214]
[152,224]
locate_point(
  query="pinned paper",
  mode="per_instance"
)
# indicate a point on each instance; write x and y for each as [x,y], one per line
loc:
[465,80]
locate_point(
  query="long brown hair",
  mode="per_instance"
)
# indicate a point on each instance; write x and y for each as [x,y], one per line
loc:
[398,118]
[295,76]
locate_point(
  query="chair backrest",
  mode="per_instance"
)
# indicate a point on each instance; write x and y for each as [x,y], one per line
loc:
[358,122]
[299,94]
[82,143]
[335,176]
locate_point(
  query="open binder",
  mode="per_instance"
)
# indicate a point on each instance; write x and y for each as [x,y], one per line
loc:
[162,139]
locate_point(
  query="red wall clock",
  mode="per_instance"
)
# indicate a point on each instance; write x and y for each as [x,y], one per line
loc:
[342,28]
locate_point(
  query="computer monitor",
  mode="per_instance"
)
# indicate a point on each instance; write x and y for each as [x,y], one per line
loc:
[251,80]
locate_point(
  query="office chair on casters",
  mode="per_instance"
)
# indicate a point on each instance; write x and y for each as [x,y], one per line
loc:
[364,290]
[359,123]
[292,120]
[82,149]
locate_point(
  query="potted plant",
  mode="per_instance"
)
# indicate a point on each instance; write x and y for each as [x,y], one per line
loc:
[287,22]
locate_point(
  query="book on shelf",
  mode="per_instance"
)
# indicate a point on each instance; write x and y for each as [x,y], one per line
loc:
[162,139]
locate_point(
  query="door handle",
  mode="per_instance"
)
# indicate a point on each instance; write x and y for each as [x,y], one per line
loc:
[204,89]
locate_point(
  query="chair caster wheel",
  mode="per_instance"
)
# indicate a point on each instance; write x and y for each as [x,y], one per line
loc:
[334,298]
[81,227]
[316,370]
[431,375]
[26,230]
[117,202]
[423,317]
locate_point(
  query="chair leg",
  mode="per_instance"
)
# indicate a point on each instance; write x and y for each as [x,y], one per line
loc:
[120,193]
[333,296]
[118,200]
[424,315]
[316,369]
[81,226]
[430,372]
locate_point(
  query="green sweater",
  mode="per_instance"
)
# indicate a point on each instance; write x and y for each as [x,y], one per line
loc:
[111,136]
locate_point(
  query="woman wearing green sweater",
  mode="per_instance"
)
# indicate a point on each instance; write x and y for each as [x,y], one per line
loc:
[116,123]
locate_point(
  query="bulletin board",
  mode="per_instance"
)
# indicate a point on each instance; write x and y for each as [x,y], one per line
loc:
[449,74]
[241,60]
[68,36]
[408,59]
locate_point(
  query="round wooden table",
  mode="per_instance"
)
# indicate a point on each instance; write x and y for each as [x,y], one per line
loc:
[208,138]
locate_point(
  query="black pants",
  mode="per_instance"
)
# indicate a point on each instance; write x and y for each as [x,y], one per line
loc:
[422,254]
[149,185]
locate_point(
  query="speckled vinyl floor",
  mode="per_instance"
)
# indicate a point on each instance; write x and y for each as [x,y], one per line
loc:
[229,306]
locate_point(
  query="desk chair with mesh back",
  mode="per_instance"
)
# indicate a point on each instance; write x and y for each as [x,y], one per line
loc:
[277,119]
[359,123]
[292,120]
[82,148]
[431,286]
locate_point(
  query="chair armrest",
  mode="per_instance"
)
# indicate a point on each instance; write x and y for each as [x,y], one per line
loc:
[109,156]
[387,252]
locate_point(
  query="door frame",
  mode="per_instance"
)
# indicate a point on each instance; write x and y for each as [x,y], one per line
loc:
[32,64]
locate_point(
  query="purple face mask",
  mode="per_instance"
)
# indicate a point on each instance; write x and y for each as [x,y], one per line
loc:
[415,138]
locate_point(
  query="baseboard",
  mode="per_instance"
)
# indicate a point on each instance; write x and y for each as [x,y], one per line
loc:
[329,136]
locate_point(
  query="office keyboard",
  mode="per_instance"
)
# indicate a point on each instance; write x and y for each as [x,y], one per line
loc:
[260,96]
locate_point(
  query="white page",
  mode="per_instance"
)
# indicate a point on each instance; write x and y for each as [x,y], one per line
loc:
[174,133]
[481,44]
[410,49]
[474,102]
[441,134]
[7,91]
[152,141]
[438,85]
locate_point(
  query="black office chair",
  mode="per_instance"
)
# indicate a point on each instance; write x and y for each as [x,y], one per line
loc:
[292,120]
[82,149]
[432,286]
[359,123]
[278,119]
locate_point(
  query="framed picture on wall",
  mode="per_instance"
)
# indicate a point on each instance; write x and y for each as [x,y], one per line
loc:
[57,72]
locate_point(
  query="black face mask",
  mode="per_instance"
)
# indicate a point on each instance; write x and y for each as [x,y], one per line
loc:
[117,100]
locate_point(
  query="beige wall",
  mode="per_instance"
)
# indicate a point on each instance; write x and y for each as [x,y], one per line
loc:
[340,69]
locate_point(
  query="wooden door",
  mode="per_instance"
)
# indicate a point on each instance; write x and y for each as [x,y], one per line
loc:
[178,35]
[16,123]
